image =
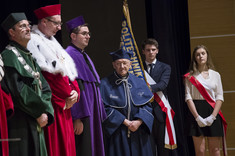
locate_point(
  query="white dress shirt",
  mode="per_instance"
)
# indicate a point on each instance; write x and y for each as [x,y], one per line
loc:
[148,66]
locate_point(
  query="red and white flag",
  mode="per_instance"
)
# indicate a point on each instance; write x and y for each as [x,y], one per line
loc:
[159,97]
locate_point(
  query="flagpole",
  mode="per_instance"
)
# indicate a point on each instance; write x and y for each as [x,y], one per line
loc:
[127,16]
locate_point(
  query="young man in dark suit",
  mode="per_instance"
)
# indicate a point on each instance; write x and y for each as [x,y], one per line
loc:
[160,73]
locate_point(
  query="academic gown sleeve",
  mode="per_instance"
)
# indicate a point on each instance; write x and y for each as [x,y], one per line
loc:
[4,102]
[114,120]
[145,114]
[22,89]
[74,86]
[62,91]
[59,92]
[9,106]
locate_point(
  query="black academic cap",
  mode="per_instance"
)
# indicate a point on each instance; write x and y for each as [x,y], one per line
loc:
[120,54]
[12,19]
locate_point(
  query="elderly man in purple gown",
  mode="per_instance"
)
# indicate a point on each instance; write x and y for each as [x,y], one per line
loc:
[89,112]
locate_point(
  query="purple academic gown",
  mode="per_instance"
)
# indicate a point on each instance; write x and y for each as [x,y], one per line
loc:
[90,108]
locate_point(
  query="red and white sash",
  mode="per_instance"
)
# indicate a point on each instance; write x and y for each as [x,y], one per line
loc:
[208,98]
[170,137]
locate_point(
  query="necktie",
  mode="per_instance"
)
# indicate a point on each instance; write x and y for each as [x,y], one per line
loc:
[150,69]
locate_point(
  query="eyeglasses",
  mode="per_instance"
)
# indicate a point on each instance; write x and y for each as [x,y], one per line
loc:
[25,26]
[84,33]
[54,22]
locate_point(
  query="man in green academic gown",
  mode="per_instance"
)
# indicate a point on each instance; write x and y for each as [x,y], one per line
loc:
[30,92]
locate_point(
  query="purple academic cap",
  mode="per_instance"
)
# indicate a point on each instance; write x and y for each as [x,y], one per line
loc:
[75,22]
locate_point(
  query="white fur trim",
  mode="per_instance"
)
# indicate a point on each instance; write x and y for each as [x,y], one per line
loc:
[46,51]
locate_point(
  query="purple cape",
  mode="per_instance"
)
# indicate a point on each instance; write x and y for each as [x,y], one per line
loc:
[90,104]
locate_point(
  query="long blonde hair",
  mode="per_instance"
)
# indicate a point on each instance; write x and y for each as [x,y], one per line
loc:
[194,66]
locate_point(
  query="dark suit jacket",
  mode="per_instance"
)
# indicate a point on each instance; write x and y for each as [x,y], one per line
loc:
[161,75]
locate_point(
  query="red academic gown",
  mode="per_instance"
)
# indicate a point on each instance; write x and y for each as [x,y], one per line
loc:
[60,135]
[6,109]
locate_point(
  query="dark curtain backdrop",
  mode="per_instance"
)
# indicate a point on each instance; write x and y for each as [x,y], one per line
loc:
[104,18]
[167,22]
[26,6]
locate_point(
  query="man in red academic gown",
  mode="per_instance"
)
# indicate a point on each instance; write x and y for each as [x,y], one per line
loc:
[59,70]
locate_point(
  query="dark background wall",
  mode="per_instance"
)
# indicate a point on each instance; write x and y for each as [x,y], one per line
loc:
[104,19]
[167,21]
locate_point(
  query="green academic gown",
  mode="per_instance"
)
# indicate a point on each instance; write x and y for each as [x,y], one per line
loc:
[30,101]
